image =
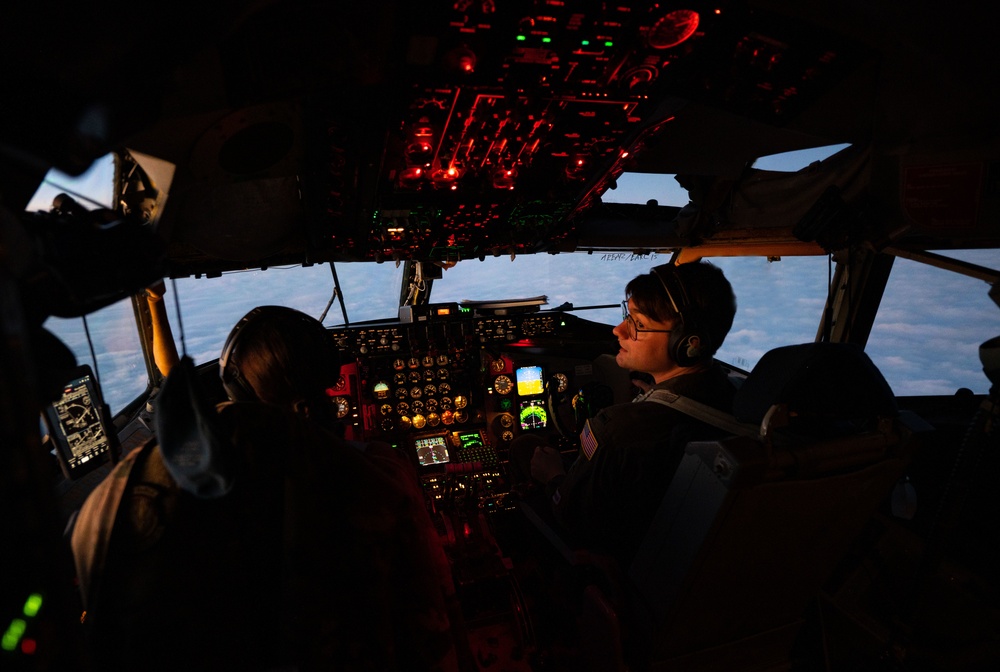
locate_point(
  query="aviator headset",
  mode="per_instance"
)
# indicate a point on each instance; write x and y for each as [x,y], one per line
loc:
[236,386]
[688,344]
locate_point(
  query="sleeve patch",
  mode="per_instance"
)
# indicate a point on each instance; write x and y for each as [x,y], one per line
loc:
[588,442]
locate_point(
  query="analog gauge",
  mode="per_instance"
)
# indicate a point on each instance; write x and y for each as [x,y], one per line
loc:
[416,392]
[427,361]
[447,417]
[447,404]
[433,419]
[461,401]
[342,405]
[418,406]
[673,28]
[443,374]
[497,365]
[405,422]
[442,360]
[402,393]
[429,375]
[431,405]
[444,388]
[415,377]
[507,420]
[413,363]
[507,435]
[387,424]
[562,382]
[398,364]
[385,409]
[403,408]
[381,390]
[503,385]
[419,421]
[430,390]
[399,379]
[461,416]
[341,383]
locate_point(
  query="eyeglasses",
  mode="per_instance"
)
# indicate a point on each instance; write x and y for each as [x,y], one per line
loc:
[633,328]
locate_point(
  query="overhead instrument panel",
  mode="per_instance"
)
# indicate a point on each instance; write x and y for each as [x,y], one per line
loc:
[466,129]
[510,119]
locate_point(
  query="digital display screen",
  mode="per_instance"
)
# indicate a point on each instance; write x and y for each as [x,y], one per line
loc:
[432,450]
[75,426]
[533,415]
[529,381]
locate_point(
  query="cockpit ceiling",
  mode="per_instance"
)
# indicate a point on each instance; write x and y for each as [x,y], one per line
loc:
[314,131]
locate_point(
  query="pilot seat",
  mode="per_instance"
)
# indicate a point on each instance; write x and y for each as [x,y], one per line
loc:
[753,524]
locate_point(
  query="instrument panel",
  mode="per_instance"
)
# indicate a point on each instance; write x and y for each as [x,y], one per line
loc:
[454,391]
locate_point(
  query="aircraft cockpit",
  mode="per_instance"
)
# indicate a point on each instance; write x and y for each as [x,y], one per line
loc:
[459,193]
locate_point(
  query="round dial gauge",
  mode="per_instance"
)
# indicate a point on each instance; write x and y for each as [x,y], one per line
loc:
[415,376]
[447,417]
[507,436]
[403,408]
[461,401]
[444,388]
[430,390]
[427,361]
[415,392]
[385,409]
[399,379]
[341,383]
[503,384]
[413,363]
[418,406]
[342,405]
[673,28]
[461,416]
[401,393]
[431,405]
[562,382]
[497,365]
[405,422]
[398,364]
[443,374]
[507,420]
[442,360]
[433,419]
[419,421]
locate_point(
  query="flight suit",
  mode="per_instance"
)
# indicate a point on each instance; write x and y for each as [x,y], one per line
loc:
[628,455]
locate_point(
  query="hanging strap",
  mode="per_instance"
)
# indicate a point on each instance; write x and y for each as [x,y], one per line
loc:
[704,413]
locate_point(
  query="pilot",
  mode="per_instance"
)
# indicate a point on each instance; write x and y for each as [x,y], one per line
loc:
[675,318]
[253,536]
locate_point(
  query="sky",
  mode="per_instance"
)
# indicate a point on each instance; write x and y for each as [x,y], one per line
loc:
[925,338]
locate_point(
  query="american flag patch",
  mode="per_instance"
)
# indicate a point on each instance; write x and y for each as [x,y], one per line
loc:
[588,442]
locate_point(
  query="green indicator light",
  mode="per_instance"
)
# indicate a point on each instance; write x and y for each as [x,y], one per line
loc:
[585,42]
[609,43]
[546,40]
[521,38]
[13,634]
[32,605]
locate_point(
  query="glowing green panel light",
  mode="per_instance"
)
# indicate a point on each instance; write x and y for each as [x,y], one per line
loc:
[546,40]
[32,605]
[609,43]
[13,634]
[521,38]
[506,404]
[585,42]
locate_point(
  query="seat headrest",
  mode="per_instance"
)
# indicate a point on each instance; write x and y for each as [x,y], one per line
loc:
[829,389]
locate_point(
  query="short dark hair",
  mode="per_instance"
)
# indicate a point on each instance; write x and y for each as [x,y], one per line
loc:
[710,296]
